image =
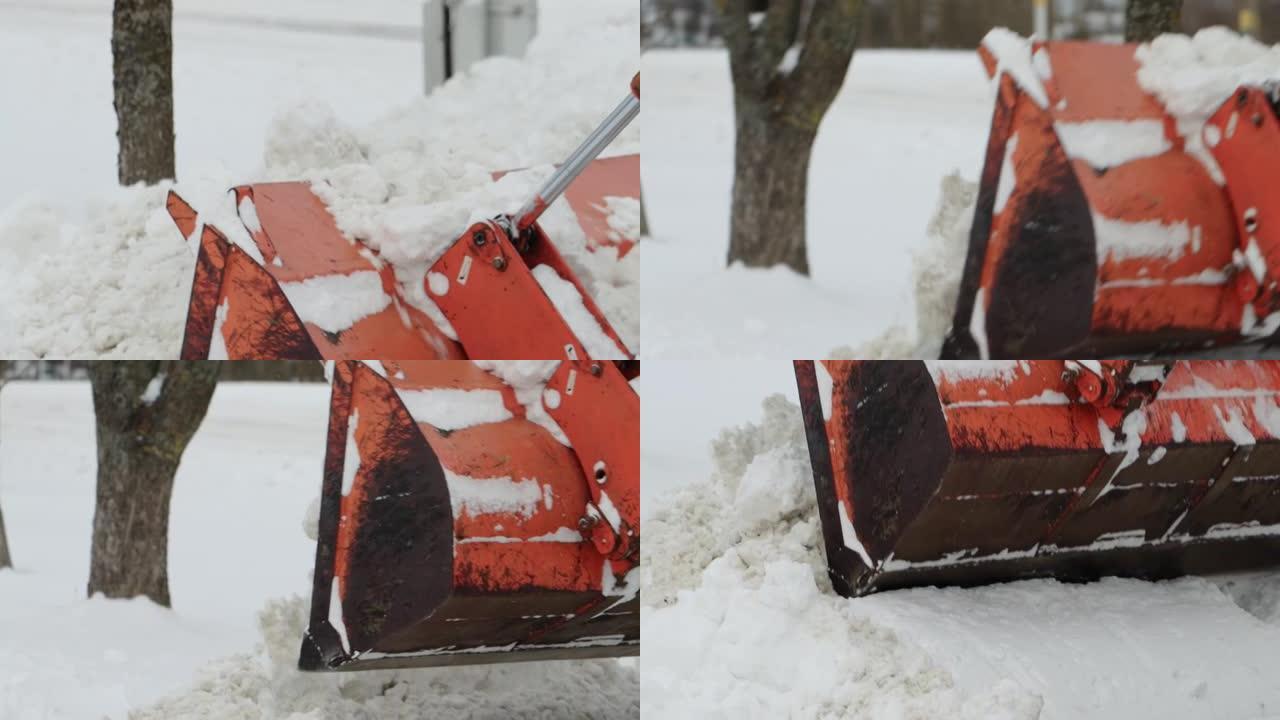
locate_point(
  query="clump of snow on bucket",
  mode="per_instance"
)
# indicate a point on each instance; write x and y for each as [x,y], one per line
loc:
[1013,54]
[1193,76]
[528,378]
[937,269]
[266,685]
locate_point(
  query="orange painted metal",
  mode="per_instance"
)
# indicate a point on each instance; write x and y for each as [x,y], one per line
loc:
[300,245]
[1057,264]
[1244,137]
[956,473]
[486,288]
[457,524]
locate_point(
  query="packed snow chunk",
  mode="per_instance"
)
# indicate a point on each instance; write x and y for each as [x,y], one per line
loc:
[336,302]
[1194,76]
[477,496]
[1111,143]
[152,391]
[585,326]
[770,643]
[455,409]
[1013,56]
[418,233]
[309,135]
[775,485]
[529,380]
[1119,240]
[684,536]
[624,217]
[115,285]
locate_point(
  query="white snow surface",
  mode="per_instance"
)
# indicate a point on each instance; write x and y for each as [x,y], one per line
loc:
[869,211]
[88,278]
[740,621]
[228,648]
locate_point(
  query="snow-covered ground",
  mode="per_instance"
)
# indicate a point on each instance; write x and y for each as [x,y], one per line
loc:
[903,121]
[740,620]
[325,91]
[239,568]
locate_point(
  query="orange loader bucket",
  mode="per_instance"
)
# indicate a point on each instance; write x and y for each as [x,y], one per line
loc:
[1101,230]
[962,473]
[464,520]
[245,309]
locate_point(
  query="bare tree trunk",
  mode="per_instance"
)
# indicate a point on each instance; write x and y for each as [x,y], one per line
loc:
[787,71]
[146,413]
[142,49]
[1145,20]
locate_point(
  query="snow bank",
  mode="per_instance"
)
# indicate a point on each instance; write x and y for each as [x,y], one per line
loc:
[740,619]
[265,685]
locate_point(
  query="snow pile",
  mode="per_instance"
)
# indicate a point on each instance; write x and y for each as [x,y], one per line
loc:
[740,620]
[1193,77]
[411,182]
[115,286]
[936,269]
[265,685]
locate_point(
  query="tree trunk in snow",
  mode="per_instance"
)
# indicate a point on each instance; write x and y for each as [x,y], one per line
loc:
[787,70]
[1147,19]
[142,50]
[146,414]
